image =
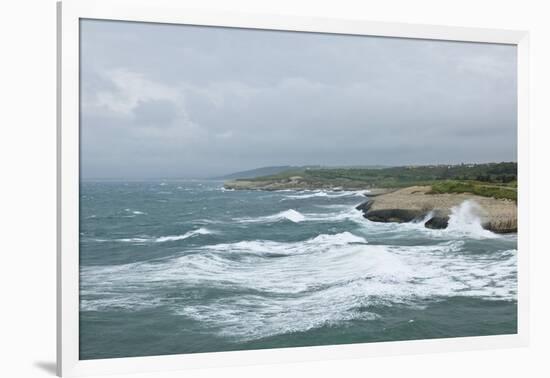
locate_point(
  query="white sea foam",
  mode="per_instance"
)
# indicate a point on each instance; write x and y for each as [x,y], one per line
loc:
[464,222]
[286,287]
[162,239]
[329,194]
[296,217]
[335,206]
[133,240]
[290,214]
[200,231]
[465,219]
[319,243]
[308,195]
[338,239]
[134,212]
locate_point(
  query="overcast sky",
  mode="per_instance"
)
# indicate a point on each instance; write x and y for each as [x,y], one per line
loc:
[162,101]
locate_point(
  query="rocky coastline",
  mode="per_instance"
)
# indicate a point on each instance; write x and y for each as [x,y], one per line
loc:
[291,183]
[417,204]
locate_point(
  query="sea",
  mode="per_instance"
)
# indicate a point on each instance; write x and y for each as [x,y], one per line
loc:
[186,266]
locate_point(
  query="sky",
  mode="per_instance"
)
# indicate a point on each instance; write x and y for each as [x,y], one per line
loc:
[178,101]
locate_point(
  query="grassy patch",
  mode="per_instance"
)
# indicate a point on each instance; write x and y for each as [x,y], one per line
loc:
[497,180]
[480,189]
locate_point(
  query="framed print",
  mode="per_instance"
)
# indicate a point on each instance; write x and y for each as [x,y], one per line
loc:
[239,189]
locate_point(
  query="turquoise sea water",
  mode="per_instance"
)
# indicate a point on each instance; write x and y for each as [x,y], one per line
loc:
[170,267]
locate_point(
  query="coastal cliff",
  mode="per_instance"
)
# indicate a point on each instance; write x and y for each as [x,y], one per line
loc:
[412,193]
[419,203]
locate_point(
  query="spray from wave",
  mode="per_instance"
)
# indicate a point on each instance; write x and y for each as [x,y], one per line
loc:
[466,219]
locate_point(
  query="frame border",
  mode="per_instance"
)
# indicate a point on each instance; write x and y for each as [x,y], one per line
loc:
[69,13]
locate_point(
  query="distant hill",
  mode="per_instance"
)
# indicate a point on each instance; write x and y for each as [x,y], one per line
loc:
[263,171]
[293,169]
[498,180]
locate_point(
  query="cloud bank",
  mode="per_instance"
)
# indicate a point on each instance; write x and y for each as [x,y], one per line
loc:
[187,101]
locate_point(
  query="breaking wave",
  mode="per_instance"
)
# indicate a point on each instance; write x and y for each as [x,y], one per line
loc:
[162,239]
[329,194]
[296,216]
[465,219]
[200,231]
[260,288]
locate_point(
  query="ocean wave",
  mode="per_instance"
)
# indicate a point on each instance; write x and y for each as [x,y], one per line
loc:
[327,279]
[317,244]
[133,240]
[321,193]
[464,222]
[200,231]
[134,212]
[162,239]
[297,217]
[290,214]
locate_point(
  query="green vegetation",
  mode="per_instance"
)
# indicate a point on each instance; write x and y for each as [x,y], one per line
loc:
[475,187]
[504,173]
[498,180]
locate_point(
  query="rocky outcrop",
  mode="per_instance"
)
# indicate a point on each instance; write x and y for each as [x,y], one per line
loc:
[501,226]
[437,222]
[365,206]
[394,215]
[415,204]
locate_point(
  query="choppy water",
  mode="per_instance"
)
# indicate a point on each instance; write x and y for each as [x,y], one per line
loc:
[185,267]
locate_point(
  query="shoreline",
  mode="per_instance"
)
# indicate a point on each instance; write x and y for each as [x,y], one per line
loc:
[416,203]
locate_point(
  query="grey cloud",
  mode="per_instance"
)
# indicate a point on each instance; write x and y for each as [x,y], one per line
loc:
[186,101]
[159,113]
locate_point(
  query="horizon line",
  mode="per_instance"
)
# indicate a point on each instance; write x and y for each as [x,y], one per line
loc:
[220,177]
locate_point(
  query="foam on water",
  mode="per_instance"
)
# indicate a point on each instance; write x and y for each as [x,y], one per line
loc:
[329,194]
[246,283]
[290,214]
[287,287]
[130,240]
[296,217]
[200,231]
[464,222]
[465,219]
[162,239]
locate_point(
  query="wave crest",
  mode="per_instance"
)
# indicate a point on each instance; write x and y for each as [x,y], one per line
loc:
[329,194]
[200,231]
[162,239]
[297,217]
[327,279]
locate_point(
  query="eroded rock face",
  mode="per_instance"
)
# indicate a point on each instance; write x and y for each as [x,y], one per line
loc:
[394,215]
[415,203]
[501,226]
[365,206]
[437,222]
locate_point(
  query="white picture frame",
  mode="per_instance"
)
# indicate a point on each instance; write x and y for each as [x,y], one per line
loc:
[170,11]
